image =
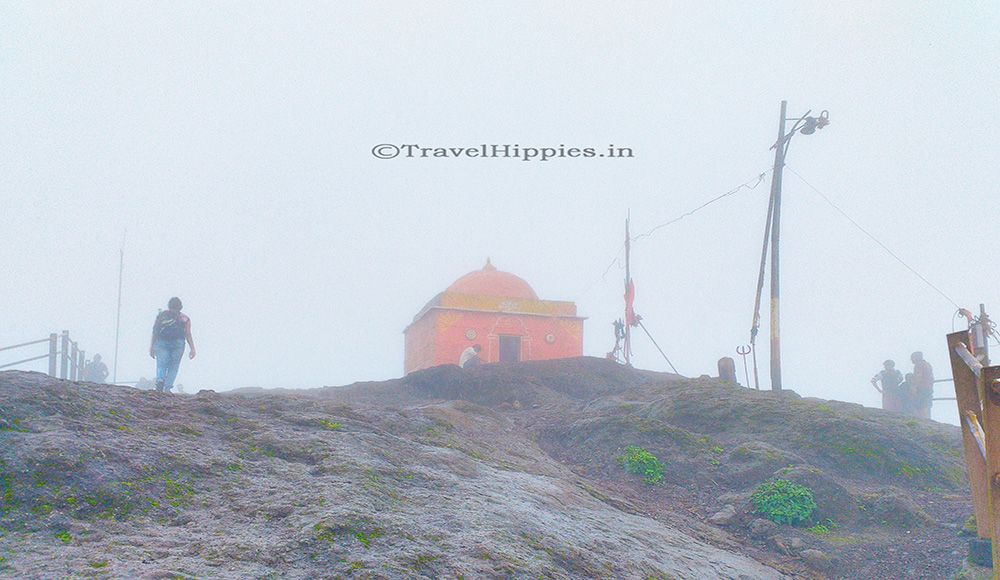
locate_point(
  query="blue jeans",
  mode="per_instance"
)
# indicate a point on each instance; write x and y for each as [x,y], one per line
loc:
[168,360]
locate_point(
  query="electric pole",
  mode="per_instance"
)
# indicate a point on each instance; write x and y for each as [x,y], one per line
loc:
[807,126]
[779,164]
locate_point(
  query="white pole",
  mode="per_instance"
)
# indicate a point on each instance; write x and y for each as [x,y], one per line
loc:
[118,323]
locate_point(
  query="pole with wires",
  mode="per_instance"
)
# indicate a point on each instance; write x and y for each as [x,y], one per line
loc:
[779,164]
[807,126]
[755,326]
[118,322]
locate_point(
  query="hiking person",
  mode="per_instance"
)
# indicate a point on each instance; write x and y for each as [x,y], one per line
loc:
[470,357]
[892,395]
[96,371]
[922,386]
[170,331]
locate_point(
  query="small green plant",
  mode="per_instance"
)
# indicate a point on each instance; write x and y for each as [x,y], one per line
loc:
[783,502]
[639,461]
[63,537]
[969,529]
[823,529]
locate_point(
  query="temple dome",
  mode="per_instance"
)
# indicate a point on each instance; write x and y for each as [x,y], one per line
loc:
[492,282]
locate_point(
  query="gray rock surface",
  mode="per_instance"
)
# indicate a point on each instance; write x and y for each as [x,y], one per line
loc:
[105,481]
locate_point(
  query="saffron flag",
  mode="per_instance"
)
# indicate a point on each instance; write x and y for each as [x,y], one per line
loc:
[630,319]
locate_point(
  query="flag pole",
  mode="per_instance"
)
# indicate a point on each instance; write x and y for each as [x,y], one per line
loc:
[628,294]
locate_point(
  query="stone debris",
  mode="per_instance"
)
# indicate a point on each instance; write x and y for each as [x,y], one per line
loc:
[724,516]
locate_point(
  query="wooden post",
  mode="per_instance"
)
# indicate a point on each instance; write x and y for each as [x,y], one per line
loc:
[991,416]
[53,351]
[81,366]
[64,359]
[967,397]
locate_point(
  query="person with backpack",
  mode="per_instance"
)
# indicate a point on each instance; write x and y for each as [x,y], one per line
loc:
[170,331]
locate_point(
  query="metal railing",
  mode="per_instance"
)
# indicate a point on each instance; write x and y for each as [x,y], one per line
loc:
[68,360]
[977,392]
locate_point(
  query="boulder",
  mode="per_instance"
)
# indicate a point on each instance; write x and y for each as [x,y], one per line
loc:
[895,509]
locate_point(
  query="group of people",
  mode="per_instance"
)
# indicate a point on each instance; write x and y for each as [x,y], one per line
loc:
[911,394]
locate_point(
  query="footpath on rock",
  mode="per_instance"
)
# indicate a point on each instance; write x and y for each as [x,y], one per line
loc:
[498,472]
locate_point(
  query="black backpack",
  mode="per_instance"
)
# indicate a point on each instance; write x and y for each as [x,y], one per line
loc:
[170,325]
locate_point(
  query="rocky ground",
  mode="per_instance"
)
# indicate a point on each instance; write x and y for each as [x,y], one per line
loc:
[500,472]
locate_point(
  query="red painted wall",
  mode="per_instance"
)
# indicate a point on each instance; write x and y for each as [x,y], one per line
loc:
[441,334]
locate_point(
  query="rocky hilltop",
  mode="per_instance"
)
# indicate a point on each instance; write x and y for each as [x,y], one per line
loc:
[498,472]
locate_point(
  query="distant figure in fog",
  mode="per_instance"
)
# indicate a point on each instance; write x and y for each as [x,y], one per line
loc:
[922,386]
[893,398]
[170,331]
[96,371]
[470,357]
[144,384]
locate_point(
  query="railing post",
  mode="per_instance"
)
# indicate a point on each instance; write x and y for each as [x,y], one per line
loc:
[74,354]
[81,366]
[967,396]
[991,416]
[53,351]
[64,358]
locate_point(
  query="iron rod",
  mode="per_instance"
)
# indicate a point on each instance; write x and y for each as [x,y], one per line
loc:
[39,357]
[25,344]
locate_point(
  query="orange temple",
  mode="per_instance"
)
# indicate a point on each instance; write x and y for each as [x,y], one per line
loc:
[498,311]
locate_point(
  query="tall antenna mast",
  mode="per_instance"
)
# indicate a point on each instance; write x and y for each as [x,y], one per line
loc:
[118,322]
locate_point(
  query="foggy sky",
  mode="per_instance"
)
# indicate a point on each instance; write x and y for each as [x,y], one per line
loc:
[230,147]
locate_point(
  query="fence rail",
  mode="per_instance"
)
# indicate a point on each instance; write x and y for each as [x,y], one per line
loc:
[67,360]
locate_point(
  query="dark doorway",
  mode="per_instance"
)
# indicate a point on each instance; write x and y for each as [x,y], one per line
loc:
[510,349]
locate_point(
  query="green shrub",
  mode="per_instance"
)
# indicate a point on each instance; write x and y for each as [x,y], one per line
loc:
[639,461]
[783,502]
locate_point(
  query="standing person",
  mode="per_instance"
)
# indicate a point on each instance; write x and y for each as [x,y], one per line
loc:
[922,386]
[170,331]
[96,371]
[470,357]
[892,398]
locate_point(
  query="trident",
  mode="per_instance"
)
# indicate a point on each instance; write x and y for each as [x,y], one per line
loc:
[744,351]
